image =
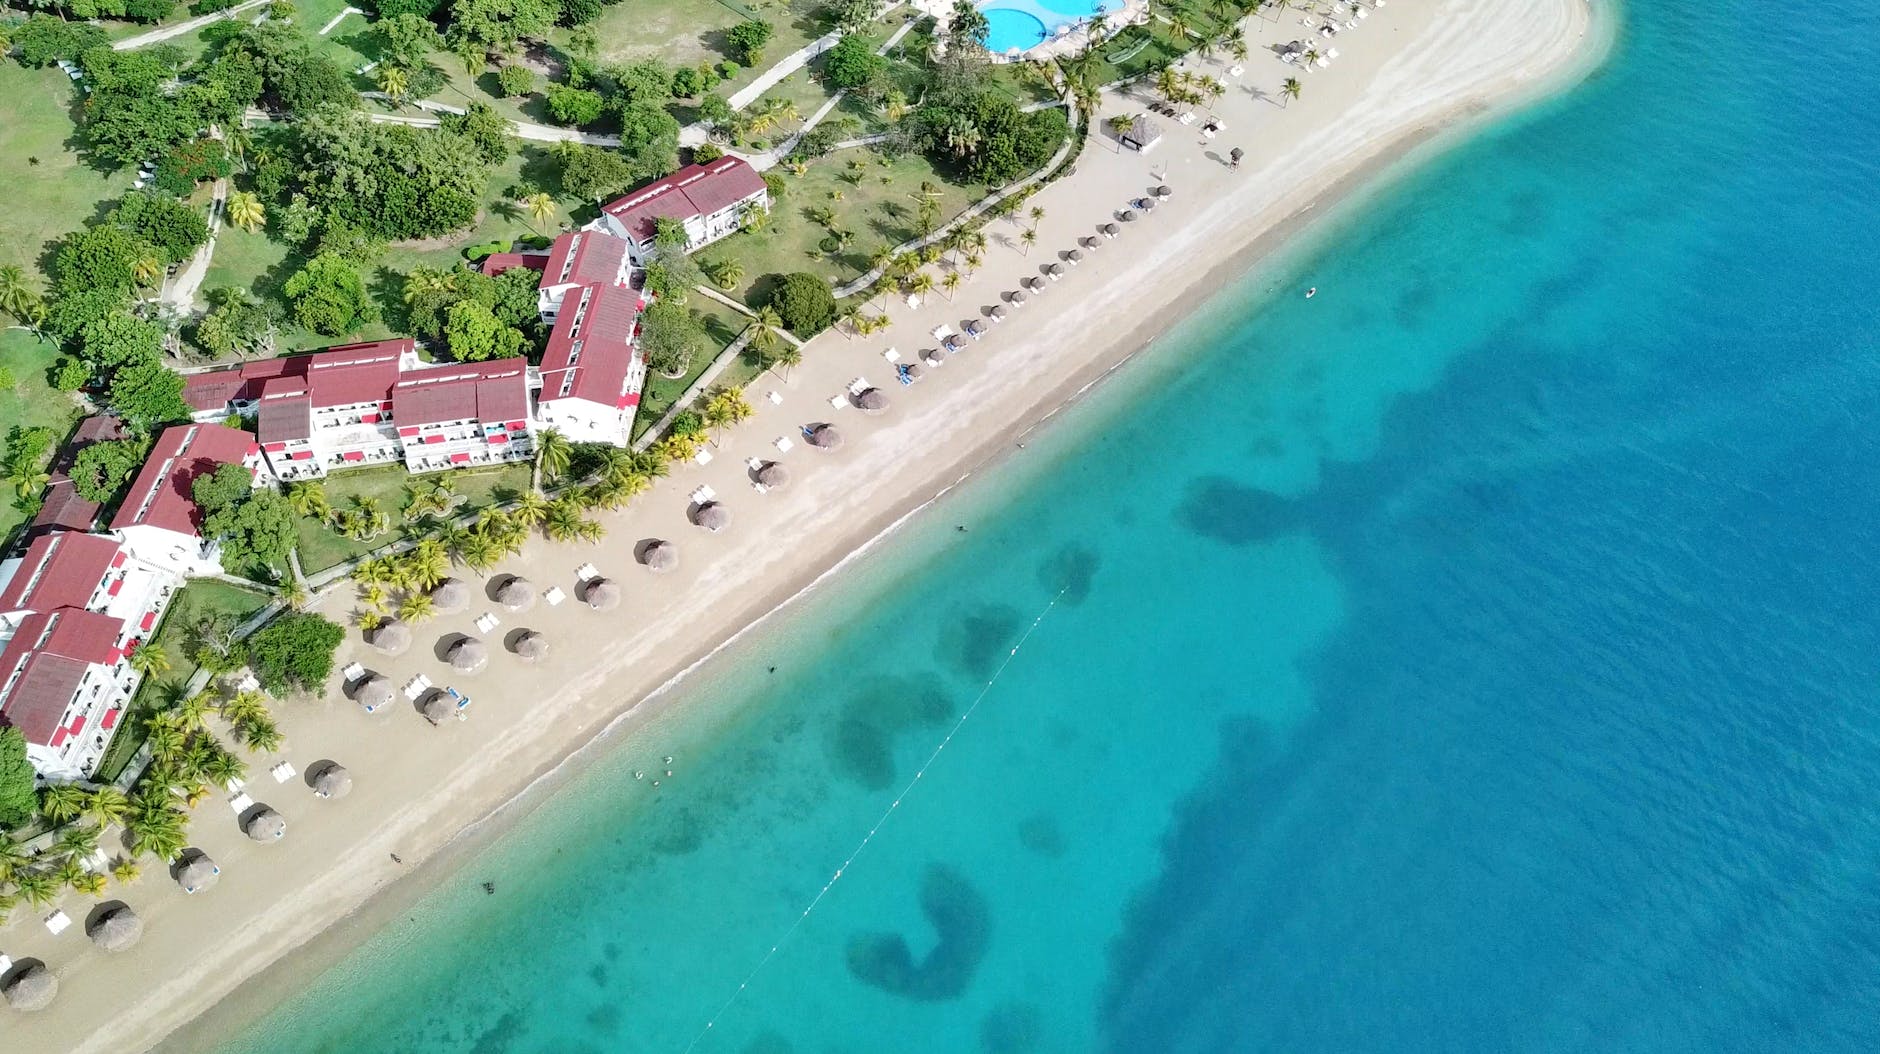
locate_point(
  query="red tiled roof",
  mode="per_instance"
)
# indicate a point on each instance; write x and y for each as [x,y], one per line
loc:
[490,392]
[63,510]
[80,634]
[496,263]
[59,570]
[591,346]
[215,389]
[581,257]
[35,689]
[695,190]
[160,495]
[334,376]
[285,420]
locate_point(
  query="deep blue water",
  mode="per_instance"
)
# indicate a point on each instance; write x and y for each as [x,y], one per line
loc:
[1481,656]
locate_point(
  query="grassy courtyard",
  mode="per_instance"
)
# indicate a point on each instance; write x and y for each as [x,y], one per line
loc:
[50,190]
[30,402]
[322,547]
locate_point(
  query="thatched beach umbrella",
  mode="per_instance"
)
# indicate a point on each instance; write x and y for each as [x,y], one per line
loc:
[32,988]
[1163,191]
[975,328]
[913,371]
[265,825]
[390,637]
[1055,270]
[773,475]
[1089,242]
[438,708]
[531,646]
[871,400]
[1146,204]
[1128,216]
[197,873]
[116,929]
[713,516]
[451,595]
[333,782]
[825,437]
[661,557]
[1110,230]
[469,655]
[999,311]
[1017,297]
[516,594]
[603,594]
[373,692]
[1075,256]
[933,356]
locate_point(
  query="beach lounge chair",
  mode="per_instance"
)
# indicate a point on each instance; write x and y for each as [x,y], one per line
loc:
[416,687]
[703,457]
[282,772]
[1236,71]
[892,355]
[462,701]
[775,397]
[240,803]
[554,596]
[585,572]
[58,922]
[942,331]
[784,444]
[487,622]
[235,786]
[759,487]
[6,962]
[704,493]
[837,402]
[353,671]
[859,385]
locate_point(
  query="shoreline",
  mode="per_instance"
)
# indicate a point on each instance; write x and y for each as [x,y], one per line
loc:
[1373,165]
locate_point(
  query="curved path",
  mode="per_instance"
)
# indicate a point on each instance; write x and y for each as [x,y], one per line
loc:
[187,26]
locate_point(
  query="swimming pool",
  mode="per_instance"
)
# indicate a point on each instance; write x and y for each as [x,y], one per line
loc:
[1024,24]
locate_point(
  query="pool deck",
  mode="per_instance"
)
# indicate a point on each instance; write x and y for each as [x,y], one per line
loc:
[1068,39]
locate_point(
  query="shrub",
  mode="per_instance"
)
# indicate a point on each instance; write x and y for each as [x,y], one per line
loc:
[474,253]
[804,302]
[294,651]
[747,40]
[705,152]
[574,106]
[515,80]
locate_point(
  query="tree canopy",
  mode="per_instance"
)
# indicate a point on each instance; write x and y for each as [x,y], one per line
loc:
[473,333]
[100,470]
[671,338]
[329,297]
[295,651]
[804,302]
[17,803]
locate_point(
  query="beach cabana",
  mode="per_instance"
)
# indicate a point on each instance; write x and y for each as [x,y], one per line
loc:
[116,929]
[265,825]
[713,516]
[602,594]
[390,637]
[439,708]
[333,781]
[773,475]
[373,692]
[872,400]
[32,988]
[197,873]
[469,655]
[661,557]
[1142,136]
[531,646]
[516,594]
[451,595]
[825,437]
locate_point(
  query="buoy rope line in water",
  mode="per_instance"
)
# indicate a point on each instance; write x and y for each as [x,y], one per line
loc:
[843,868]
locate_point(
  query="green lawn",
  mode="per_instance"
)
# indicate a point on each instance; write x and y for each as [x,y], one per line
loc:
[658,394]
[50,192]
[687,32]
[199,597]
[321,547]
[30,402]
[877,212]
[1125,56]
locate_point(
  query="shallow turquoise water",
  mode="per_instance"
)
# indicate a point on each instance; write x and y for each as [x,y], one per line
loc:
[1480,656]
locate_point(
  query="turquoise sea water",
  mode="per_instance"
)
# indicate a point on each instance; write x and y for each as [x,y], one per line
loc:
[1480,656]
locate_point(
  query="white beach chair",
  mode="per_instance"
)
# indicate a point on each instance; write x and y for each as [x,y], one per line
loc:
[585,572]
[703,457]
[892,355]
[704,493]
[58,922]
[942,331]
[554,596]
[858,385]
[416,687]
[775,397]
[784,444]
[240,803]
[6,962]
[753,463]
[235,786]
[487,622]
[837,402]
[1236,71]
[759,487]
[282,772]
[353,671]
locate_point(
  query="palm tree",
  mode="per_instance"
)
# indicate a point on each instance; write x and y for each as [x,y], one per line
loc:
[920,283]
[563,522]
[224,768]
[62,802]
[552,451]
[416,607]
[246,211]
[83,882]
[1223,10]
[1168,83]
[428,281]
[149,661]
[157,831]
[107,805]
[767,329]
[125,870]
[77,842]
[1178,27]
[951,283]
[28,479]
[262,736]
[395,83]
[17,295]
[479,551]
[726,407]
[309,499]
[788,356]
[961,136]
[1037,215]
[36,887]
[530,509]
[1290,89]
[293,593]
[245,707]
[1030,237]
[728,273]
[540,206]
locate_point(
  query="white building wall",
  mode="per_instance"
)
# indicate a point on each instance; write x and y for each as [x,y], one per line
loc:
[171,551]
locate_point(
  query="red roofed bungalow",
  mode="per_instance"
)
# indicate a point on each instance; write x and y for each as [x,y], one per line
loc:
[159,521]
[708,200]
[591,372]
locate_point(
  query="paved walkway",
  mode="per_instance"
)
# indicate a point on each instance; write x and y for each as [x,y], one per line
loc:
[337,19]
[770,158]
[182,292]
[179,29]
[684,402]
[541,133]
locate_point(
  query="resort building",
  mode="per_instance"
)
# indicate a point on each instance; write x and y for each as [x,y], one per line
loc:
[71,608]
[159,522]
[708,200]
[592,371]
[370,404]
[578,260]
[63,508]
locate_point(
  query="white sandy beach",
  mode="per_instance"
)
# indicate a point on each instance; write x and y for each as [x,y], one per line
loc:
[1414,68]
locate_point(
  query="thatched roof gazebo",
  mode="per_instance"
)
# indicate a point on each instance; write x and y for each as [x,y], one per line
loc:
[825,437]
[451,595]
[197,873]
[602,594]
[871,400]
[1075,256]
[772,474]
[713,516]
[116,929]
[265,825]
[531,646]
[32,988]
[1163,191]
[1110,230]
[516,594]
[468,655]
[914,372]
[438,708]
[1017,297]
[999,311]
[1142,134]
[333,781]
[390,637]
[372,692]
[661,557]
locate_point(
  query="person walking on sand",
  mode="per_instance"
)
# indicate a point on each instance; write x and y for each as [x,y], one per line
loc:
[1234,156]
